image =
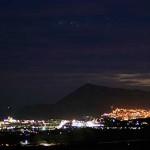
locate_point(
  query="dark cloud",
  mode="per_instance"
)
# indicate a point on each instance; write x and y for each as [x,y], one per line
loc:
[139,80]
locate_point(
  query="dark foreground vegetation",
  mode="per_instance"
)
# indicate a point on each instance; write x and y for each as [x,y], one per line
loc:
[80,139]
[137,145]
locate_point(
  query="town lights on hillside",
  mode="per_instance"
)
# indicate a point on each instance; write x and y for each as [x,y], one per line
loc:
[126,114]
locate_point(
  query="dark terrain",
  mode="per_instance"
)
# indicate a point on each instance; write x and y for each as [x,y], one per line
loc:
[89,99]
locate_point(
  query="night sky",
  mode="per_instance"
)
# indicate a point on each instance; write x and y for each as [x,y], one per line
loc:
[48,48]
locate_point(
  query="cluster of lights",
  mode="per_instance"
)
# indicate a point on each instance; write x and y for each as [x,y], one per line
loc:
[127,114]
[78,123]
[28,128]
[28,125]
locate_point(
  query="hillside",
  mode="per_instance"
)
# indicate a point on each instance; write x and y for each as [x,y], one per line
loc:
[89,99]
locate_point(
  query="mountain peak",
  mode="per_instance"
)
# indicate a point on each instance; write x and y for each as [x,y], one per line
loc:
[91,99]
[88,85]
[94,86]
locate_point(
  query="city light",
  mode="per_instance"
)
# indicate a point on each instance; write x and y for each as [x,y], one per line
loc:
[127,114]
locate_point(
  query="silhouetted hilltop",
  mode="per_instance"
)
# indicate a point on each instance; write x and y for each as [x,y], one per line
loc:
[89,99]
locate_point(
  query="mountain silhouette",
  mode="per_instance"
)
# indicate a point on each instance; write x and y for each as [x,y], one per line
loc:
[88,99]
